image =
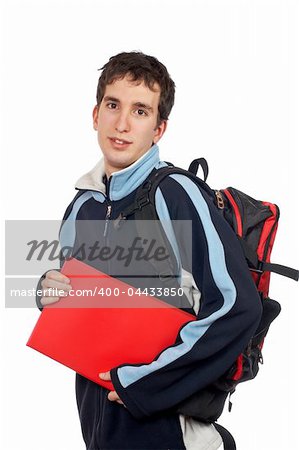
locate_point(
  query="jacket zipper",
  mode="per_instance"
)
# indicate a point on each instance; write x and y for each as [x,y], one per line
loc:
[109,207]
[108,214]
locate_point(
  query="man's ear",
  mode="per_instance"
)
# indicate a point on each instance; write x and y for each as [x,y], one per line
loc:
[95,114]
[159,131]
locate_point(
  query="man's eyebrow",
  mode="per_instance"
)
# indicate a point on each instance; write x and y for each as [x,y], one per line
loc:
[108,98]
[143,105]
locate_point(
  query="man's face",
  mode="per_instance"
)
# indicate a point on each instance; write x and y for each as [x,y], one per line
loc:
[126,122]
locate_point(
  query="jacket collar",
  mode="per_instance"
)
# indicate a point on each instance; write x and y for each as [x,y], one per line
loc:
[124,181]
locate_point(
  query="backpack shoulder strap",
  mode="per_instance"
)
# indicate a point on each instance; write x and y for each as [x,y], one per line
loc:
[146,192]
[227,438]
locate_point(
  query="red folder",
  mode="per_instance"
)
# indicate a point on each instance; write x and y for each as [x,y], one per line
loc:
[115,325]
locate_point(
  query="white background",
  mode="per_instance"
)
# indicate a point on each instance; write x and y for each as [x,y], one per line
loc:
[235,64]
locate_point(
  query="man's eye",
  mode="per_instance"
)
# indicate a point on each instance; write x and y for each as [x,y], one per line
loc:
[112,105]
[141,112]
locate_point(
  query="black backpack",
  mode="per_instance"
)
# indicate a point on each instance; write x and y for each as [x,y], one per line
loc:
[255,223]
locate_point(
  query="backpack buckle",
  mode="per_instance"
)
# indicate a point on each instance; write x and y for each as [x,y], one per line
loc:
[255,270]
[258,268]
[142,201]
[252,269]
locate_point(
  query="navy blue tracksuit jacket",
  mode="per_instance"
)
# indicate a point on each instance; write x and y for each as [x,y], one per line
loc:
[219,289]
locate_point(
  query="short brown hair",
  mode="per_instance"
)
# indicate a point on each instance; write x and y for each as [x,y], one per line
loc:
[139,67]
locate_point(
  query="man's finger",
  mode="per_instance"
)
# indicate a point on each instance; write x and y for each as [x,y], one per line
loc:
[105,376]
[57,276]
[113,397]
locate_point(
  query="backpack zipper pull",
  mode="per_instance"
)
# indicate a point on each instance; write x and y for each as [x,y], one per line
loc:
[219,199]
[108,214]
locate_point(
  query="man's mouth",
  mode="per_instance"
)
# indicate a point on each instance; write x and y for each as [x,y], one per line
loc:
[119,143]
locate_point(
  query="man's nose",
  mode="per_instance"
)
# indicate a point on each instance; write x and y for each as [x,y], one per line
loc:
[123,122]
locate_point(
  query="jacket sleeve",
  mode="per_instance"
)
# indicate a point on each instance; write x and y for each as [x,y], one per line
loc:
[229,313]
[38,289]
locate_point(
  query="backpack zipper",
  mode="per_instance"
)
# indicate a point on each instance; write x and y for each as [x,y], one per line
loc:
[238,217]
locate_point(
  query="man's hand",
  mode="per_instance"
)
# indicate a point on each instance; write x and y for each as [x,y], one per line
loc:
[54,283]
[112,396]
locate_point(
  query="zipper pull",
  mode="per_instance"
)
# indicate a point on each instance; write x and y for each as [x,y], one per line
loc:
[220,200]
[108,214]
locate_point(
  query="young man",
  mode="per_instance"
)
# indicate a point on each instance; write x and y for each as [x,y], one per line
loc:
[134,98]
